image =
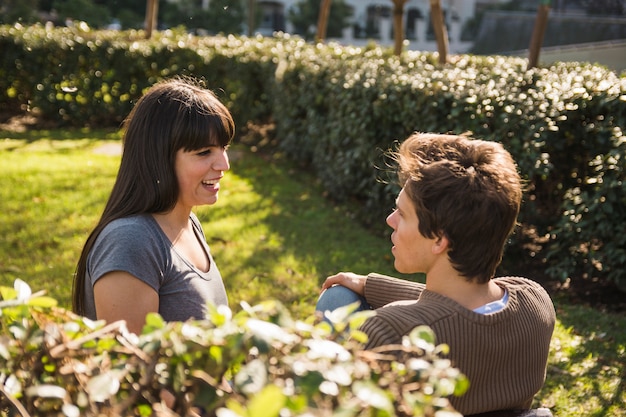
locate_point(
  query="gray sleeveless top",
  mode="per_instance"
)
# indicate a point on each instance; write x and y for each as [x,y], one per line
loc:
[137,245]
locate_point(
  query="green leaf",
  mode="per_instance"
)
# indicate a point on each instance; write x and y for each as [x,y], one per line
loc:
[422,337]
[70,410]
[144,410]
[154,321]
[8,293]
[373,396]
[219,315]
[234,409]
[342,314]
[252,377]
[267,403]
[101,387]
[4,348]
[217,354]
[12,385]
[326,349]
[462,385]
[45,302]
[358,318]
[359,336]
[269,332]
[23,289]
[46,391]
[447,413]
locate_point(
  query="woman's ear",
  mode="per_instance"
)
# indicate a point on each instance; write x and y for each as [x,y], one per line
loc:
[440,245]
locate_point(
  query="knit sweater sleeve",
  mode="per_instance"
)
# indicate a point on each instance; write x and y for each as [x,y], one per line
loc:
[381,290]
[380,332]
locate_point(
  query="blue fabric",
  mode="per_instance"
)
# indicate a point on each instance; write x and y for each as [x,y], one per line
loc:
[494,306]
[339,296]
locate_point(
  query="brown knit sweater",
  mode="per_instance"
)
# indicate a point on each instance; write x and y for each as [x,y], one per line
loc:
[504,354]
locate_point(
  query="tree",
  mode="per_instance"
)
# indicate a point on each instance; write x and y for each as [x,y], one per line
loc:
[94,15]
[305,15]
[222,16]
[23,11]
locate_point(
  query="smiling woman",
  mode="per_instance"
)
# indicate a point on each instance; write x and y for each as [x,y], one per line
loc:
[148,252]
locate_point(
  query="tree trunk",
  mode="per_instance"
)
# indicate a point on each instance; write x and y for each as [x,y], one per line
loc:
[398,26]
[441,33]
[152,11]
[541,21]
[322,20]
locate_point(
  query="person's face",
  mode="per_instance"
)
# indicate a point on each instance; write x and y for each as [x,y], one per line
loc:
[411,250]
[199,173]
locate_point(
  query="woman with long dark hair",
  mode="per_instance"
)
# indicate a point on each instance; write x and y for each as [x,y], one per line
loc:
[148,252]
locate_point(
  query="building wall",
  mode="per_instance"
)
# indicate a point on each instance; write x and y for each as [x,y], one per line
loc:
[514,31]
[379,14]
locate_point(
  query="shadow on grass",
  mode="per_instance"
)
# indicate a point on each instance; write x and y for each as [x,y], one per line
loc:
[77,138]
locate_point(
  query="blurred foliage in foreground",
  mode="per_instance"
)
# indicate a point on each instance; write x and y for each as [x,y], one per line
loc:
[258,362]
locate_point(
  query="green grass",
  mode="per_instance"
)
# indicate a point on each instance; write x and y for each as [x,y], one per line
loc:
[273,235]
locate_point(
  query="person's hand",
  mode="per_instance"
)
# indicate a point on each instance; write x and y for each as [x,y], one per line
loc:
[350,280]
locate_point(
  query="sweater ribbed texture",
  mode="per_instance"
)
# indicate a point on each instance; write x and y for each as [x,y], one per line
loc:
[504,354]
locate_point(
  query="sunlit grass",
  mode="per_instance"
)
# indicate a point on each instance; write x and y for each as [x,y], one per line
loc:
[273,235]
[586,369]
[50,195]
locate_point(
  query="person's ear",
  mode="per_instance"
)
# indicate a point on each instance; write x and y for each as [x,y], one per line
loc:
[440,245]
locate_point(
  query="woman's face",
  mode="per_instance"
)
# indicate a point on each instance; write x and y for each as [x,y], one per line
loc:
[199,173]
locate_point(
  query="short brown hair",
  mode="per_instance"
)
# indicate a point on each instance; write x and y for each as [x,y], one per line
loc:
[467,190]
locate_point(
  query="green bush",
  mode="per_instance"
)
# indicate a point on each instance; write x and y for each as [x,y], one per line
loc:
[80,77]
[339,109]
[563,125]
[258,362]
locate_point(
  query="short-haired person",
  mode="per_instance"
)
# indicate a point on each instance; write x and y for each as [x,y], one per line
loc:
[148,252]
[458,205]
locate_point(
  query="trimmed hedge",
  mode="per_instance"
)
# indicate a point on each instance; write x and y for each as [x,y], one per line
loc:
[256,363]
[339,109]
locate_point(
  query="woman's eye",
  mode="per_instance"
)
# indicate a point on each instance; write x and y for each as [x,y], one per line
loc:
[205,152]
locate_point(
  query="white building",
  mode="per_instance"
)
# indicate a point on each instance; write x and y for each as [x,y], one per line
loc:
[372,21]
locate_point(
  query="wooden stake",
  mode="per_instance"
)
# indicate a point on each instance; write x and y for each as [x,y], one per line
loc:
[152,8]
[541,22]
[322,20]
[441,33]
[398,26]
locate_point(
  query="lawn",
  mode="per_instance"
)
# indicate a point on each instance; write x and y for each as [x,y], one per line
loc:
[273,234]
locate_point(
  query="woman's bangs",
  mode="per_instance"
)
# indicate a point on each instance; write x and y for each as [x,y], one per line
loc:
[207,130]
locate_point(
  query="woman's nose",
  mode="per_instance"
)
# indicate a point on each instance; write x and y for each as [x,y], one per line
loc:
[222,163]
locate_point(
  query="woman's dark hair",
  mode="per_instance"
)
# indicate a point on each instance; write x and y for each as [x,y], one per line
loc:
[467,190]
[173,114]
